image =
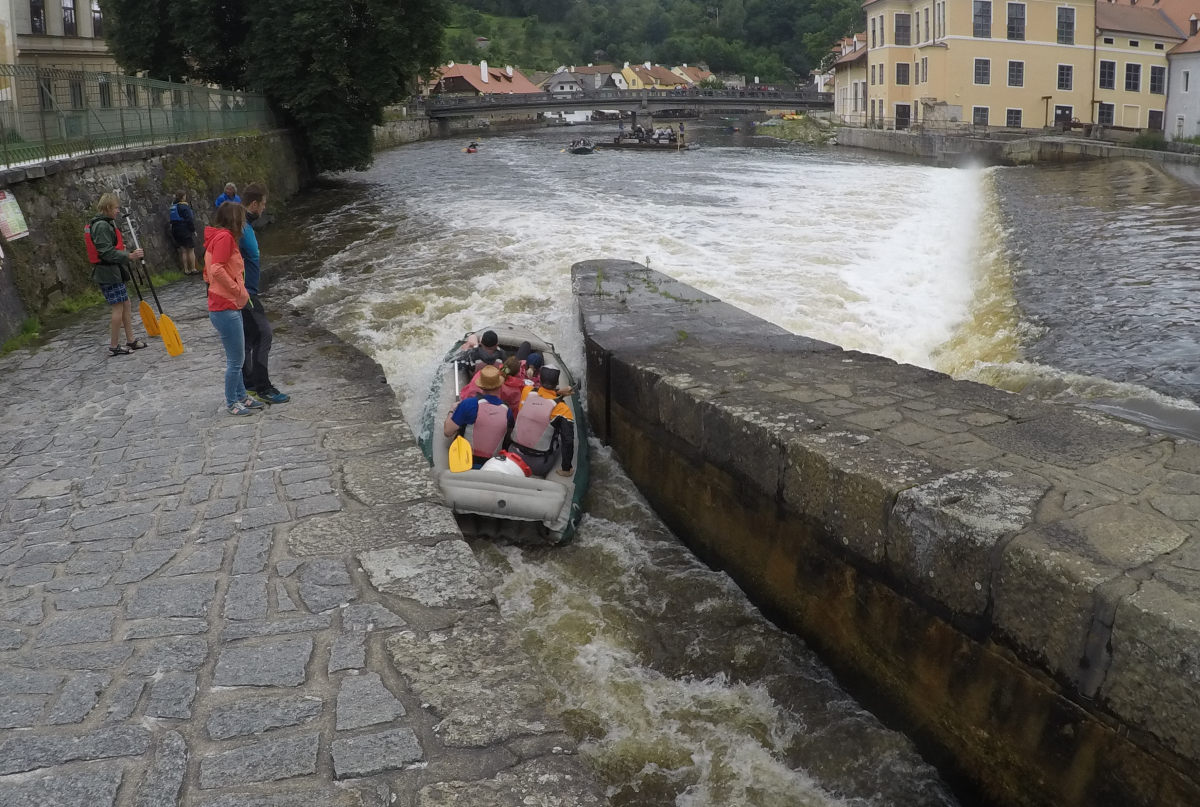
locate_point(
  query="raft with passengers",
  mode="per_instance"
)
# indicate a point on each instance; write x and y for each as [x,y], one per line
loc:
[506,435]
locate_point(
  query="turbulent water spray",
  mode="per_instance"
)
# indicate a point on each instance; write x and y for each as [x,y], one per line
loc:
[681,692]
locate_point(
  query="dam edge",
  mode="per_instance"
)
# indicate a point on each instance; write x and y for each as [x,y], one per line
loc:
[1010,576]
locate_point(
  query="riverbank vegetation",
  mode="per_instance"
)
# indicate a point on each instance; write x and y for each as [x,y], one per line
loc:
[776,40]
[328,67]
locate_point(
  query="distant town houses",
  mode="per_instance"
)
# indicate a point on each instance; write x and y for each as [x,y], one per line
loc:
[568,81]
[1022,65]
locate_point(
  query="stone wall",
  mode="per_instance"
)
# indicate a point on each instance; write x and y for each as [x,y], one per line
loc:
[58,198]
[958,149]
[398,132]
[1017,581]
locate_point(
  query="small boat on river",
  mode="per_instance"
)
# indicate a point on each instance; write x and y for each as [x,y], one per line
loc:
[644,145]
[500,502]
[583,146]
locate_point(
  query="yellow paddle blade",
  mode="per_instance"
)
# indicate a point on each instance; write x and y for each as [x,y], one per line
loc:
[149,321]
[170,336]
[460,455]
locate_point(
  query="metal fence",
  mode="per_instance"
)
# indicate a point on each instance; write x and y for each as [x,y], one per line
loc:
[51,112]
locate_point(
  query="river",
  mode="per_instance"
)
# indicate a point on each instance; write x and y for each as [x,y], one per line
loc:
[1068,283]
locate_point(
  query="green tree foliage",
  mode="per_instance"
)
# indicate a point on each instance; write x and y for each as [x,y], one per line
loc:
[328,66]
[775,39]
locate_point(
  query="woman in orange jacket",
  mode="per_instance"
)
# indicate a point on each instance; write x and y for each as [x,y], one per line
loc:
[226,278]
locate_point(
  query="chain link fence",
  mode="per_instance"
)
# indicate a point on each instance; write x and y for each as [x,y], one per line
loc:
[51,112]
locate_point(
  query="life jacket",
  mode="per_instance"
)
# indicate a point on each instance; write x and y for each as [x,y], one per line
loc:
[532,429]
[92,253]
[487,433]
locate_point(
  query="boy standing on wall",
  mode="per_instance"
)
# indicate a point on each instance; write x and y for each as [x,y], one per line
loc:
[255,324]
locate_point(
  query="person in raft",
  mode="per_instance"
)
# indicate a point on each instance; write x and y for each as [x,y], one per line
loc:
[482,418]
[224,273]
[110,269]
[486,350]
[544,427]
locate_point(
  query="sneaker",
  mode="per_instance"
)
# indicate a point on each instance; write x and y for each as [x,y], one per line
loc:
[239,409]
[272,396]
[250,403]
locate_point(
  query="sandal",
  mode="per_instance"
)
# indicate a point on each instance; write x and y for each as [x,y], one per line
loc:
[136,344]
[119,351]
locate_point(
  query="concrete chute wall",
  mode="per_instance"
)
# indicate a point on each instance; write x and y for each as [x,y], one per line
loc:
[1016,579]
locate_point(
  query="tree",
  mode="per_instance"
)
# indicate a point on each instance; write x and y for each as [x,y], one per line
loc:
[327,66]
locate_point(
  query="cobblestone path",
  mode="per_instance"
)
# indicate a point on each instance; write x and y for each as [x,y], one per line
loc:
[201,609]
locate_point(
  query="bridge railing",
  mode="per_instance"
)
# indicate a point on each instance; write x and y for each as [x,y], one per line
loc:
[598,97]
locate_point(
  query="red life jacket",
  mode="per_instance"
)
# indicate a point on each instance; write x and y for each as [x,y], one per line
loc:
[93,254]
[487,433]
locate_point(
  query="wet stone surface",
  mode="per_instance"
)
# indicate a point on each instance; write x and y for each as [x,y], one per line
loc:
[163,642]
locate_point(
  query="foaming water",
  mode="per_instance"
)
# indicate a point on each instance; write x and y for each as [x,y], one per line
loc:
[847,249]
[680,691]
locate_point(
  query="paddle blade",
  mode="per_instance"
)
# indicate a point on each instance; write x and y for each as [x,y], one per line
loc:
[149,321]
[170,336]
[460,455]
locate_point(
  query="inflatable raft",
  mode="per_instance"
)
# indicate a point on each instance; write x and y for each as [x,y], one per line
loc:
[494,504]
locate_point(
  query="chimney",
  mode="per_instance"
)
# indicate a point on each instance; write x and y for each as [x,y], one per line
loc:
[483,71]
[646,65]
[508,69]
[1193,25]
[627,65]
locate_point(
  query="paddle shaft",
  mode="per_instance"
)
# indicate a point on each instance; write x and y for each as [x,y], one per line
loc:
[150,283]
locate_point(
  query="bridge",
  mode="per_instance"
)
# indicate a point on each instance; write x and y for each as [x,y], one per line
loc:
[455,106]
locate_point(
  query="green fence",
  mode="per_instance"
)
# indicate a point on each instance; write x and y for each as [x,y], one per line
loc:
[47,113]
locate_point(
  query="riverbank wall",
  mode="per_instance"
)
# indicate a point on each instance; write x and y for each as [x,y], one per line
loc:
[959,149]
[58,198]
[1017,582]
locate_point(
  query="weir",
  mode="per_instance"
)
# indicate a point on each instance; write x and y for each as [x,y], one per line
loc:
[1019,581]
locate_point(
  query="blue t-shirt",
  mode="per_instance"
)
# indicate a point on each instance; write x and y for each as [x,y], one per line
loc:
[468,410]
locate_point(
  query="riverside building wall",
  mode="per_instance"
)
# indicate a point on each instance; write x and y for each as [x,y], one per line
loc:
[58,198]
[1017,580]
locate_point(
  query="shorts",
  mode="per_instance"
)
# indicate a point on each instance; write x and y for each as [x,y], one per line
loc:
[115,293]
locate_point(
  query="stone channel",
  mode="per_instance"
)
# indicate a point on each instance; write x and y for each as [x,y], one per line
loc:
[1018,581]
[214,611]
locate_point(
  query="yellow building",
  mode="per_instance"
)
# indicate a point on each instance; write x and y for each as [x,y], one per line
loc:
[1019,64]
[1025,64]
[1131,64]
[850,80]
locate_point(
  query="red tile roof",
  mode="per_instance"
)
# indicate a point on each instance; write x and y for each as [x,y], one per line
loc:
[1139,19]
[498,79]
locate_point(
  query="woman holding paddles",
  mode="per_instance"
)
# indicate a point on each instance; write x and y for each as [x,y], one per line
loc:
[225,275]
[110,270]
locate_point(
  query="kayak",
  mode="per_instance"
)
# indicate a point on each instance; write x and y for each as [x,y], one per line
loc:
[495,504]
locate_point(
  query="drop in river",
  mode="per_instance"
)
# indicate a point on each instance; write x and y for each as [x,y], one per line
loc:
[681,692]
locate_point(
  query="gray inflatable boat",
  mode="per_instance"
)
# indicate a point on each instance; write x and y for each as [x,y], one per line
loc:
[501,505]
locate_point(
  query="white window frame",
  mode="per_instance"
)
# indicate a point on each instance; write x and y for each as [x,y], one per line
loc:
[1008,78]
[987,113]
[1020,112]
[975,72]
[1058,74]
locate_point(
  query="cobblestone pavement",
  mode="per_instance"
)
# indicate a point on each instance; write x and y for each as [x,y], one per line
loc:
[201,609]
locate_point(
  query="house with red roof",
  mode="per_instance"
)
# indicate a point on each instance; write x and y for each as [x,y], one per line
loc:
[480,79]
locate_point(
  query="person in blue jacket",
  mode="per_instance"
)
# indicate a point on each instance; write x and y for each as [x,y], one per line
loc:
[230,195]
[255,325]
[183,232]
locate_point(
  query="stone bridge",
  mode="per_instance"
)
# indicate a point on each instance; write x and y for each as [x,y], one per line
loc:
[456,106]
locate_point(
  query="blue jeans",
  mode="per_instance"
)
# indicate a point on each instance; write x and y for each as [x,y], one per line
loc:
[229,327]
